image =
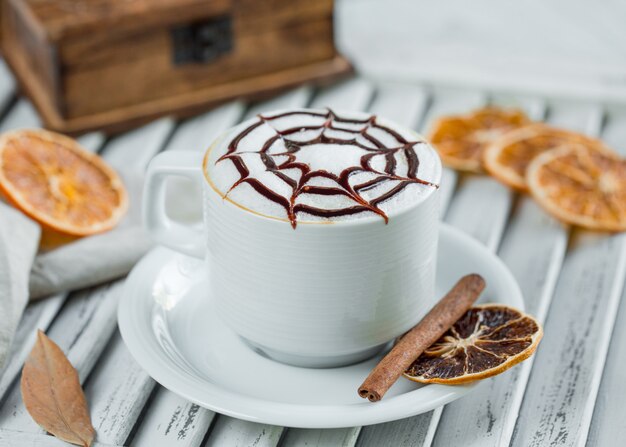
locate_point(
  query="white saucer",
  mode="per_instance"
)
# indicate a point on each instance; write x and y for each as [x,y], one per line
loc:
[172,331]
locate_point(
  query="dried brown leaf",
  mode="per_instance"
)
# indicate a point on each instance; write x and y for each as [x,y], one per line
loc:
[53,396]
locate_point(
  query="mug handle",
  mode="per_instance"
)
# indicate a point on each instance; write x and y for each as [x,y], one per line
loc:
[167,232]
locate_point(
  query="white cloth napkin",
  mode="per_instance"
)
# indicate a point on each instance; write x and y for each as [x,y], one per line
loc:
[88,261]
[83,263]
[19,240]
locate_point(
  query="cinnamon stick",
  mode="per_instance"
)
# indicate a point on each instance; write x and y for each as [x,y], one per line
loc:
[436,322]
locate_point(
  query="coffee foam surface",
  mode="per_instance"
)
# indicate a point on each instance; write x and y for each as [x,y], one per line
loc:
[324,141]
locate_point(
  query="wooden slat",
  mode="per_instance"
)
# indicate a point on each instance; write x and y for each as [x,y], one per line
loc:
[559,400]
[405,104]
[339,437]
[607,425]
[235,432]
[419,430]
[414,431]
[487,416]
[172,421]
[117,390]
[12,438]
[560,396]
[480,208]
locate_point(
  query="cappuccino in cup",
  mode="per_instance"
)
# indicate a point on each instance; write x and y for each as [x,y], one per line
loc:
[320,231]
[316,166]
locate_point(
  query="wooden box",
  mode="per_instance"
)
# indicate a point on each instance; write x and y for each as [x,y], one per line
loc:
[112,64]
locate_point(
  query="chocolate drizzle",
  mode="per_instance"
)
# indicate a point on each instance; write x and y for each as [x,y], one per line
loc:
[334,123]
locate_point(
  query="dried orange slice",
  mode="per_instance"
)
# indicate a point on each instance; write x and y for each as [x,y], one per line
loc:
[507,157]
[460,140]
[486,341]
[581,187]
[56,182]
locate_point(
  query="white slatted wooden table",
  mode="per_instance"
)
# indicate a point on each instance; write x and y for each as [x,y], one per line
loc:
[570,394]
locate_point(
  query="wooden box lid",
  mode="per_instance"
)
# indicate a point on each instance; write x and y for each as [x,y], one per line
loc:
[58,20]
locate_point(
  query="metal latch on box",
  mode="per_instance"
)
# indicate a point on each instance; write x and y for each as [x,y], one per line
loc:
[202,42]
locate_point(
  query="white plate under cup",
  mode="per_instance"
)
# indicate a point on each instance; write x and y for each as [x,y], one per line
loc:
[171,328]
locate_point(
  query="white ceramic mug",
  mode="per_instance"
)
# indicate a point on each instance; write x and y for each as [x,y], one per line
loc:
[320,295]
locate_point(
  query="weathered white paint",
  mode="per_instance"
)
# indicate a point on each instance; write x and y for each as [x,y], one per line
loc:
[608,426]
[172,422]
[415,431]
[117,390]
[561,392]
[235,432]
[339,437]
[480,208]
[405,104]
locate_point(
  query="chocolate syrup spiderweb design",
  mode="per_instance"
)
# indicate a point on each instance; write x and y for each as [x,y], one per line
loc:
[364,134]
